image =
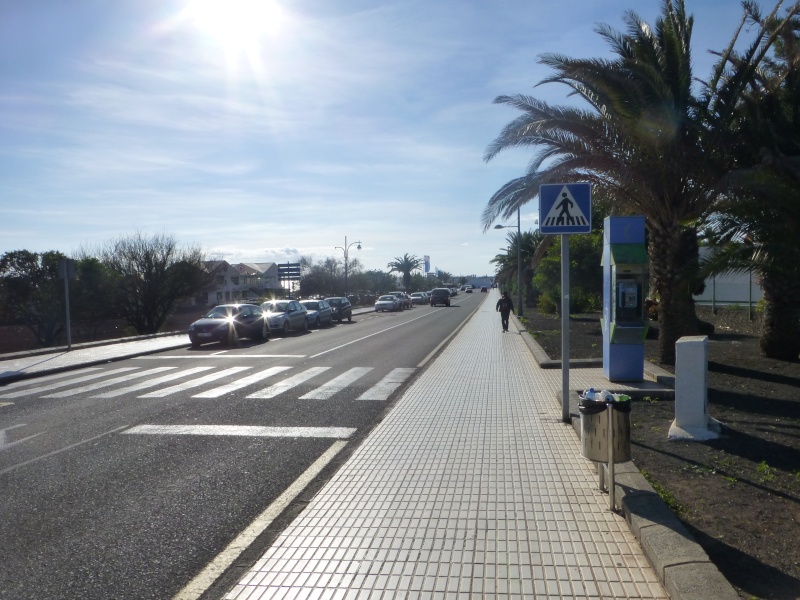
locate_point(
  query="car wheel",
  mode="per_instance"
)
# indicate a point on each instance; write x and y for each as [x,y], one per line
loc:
[350,318]
[286,328]
[264,332]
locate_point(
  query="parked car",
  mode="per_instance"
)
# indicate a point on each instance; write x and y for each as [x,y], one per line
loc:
[341,307]
[440,296]
[405,299]
[388,302]
[418,298]
[285,315]
[227,323]
[319,312]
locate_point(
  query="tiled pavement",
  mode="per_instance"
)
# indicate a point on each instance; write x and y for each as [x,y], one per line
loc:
[471,487]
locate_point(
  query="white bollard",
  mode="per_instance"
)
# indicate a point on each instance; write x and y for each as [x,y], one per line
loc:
[692,421]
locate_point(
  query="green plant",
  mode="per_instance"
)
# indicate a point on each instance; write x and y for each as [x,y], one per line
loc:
[664,494]
[765,472]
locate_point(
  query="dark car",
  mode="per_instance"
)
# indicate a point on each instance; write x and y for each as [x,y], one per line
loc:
[285,315]
[342,309]
[227,323]
[319,312]
[440,296]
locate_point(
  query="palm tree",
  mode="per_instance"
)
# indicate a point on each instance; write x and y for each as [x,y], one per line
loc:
[755,225]
[646,142]
[507,266]
[405,265]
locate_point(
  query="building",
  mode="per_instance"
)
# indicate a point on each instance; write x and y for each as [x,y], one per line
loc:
[242,281]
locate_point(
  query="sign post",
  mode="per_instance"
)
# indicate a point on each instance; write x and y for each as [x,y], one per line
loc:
[565,209]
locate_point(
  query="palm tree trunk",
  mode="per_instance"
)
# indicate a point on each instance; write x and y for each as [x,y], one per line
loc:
[673,253]
[780,338]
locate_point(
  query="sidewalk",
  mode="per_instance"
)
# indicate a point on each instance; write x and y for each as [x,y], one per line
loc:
[472,486]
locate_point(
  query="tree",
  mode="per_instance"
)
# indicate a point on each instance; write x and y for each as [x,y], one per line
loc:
[507,263]
[405,266]
[646,141]
[32,294]
[754,226]
[153,274]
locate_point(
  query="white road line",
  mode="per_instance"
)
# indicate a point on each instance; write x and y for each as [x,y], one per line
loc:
[54,386]
[384,388]
[59,451]
[194,383]
[152,382]
[197,586]
[404,323]
[289,383]
[240,383]
[107,382]
[243,431]
[220,355]
[40,380]
[336,384]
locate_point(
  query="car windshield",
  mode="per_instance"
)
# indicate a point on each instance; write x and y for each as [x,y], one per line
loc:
[386,298]
[218,312]
[334,301]
[277,306]
[311,305]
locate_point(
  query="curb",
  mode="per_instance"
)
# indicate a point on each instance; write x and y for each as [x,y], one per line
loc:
[682,566]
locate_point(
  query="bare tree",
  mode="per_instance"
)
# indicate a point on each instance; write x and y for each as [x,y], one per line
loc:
[154,273]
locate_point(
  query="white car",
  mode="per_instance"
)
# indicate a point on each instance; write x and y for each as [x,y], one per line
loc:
[419,298]
[387,303]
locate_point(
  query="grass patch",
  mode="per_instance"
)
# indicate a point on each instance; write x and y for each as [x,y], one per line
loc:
[664,494]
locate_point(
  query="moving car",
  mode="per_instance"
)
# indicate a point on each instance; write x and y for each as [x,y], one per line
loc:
[227,323]
[440,296]
[418,298]
[342,309]
[319,312]
[389,302]
[285,315]
[484,289]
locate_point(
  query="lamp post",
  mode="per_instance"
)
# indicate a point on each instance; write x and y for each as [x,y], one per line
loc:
[346,249]
[519,262]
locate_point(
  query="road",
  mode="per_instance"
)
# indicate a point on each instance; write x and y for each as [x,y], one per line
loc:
[129,479]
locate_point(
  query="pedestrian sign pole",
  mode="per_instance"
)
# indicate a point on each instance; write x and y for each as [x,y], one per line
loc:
[565,209]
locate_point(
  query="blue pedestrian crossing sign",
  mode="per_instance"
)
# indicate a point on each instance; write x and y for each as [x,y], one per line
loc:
[565,208]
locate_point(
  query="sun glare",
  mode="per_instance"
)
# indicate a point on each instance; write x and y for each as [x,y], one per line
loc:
[236,25]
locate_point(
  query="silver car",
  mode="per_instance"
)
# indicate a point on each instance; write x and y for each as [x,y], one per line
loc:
[319,312]
[285,315]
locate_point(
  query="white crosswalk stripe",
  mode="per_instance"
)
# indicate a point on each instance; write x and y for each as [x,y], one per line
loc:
[336,384]
[194,383]
[60,384]
[289,383]
[151,382]
[240,383]
[384,388]
[107,382]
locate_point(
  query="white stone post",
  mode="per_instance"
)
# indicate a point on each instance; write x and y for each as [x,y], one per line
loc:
[692,421]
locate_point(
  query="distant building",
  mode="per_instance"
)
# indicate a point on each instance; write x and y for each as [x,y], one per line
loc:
[242,281]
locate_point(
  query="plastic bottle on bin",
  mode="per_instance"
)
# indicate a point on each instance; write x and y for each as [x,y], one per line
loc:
[606,396]
[589,394]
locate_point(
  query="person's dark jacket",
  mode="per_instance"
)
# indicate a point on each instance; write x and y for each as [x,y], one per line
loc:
[505,305]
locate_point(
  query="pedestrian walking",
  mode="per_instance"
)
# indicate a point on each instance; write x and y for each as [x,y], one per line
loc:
[505,307]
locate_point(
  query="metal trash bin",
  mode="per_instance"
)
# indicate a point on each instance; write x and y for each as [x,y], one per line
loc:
[594,428]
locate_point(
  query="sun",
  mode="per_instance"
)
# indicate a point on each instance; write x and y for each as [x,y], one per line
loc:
[236,25]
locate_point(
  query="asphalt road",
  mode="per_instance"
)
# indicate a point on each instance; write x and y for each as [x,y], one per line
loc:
[129,479]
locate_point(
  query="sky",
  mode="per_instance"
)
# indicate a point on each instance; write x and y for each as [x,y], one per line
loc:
[270,130]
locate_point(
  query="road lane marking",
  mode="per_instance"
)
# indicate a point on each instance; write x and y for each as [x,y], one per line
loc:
[3,437]
[193,383]
[45,388]
[240,383]
[404,323]
[60,450]
[107,383]
[152,382]
[220,355]
[198,586]
[244,431]
[289,383]
[384,388]
[336,384]
[40,380]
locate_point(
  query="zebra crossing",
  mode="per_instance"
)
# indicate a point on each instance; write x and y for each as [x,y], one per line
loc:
[164,381]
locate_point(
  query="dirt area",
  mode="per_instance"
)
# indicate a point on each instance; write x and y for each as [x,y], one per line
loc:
[739,495]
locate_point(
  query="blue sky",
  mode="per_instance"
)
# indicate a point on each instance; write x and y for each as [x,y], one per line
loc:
[270,130]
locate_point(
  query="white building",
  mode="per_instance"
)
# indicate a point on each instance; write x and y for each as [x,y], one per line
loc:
[242,281]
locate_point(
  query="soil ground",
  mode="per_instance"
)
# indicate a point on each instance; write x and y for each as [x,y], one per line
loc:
[739,495]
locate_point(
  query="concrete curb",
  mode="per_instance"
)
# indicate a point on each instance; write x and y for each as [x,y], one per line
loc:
[682,566]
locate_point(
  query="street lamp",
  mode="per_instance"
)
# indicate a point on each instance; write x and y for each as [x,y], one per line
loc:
[346,249]
[519,262]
